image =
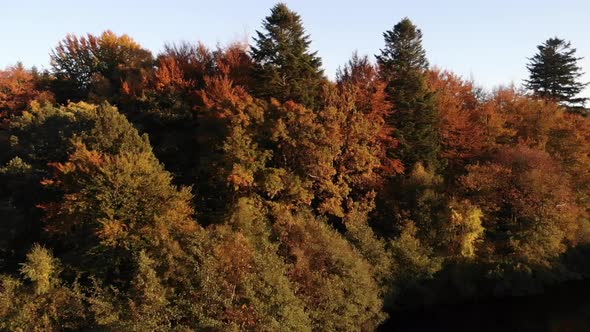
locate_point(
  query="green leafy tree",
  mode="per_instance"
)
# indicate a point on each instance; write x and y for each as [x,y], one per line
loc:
[42,302]
[334,281]
[245,281]
[415,260]
[92,152]
[113,207]
[555,73]
[48,134]
[285,68]
[44,135]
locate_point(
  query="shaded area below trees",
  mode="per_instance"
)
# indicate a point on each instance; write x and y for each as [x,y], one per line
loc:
[564,307]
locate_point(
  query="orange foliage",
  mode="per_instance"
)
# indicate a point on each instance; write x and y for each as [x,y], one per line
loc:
[361,82]
[235,63]
[461,132]
[169,75]
[105,67]
[17,90]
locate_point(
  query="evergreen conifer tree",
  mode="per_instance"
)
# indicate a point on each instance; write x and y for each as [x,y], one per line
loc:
[403,66]
[555,74]
[286,69]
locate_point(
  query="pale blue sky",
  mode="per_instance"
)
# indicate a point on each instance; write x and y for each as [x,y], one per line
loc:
[488,41]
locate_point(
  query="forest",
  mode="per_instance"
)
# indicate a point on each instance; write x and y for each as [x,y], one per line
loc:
[238,188]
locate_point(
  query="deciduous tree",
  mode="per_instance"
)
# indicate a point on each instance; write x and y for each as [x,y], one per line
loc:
[100,68]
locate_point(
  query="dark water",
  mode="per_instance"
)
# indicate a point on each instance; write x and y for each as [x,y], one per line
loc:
[562,308]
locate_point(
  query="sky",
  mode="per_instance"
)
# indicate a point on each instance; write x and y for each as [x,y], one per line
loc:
[487,41]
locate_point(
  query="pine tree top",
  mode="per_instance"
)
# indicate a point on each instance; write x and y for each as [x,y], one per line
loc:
[286,68]
[284,34]
[555,74]
[403,50]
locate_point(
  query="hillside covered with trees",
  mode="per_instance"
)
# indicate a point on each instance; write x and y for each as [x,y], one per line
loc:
[238,188]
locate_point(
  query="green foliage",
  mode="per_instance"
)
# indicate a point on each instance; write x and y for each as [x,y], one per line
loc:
[148,298]
[555,74]
[101,215]
[403,50]
[403,66]
[245,284]
[415,259]
[285,68]
[373,249]
[48,134]
[333,279]
[419,198]
[46,305]
[416,198]
[45,135]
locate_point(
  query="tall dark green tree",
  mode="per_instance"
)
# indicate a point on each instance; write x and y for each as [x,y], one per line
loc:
[555,74]
[403,66]
[417,196]
[286,69]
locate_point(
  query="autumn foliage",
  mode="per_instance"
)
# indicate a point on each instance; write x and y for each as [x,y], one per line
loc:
[238,188]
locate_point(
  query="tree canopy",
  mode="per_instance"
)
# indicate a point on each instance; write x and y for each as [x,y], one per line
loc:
[237,188]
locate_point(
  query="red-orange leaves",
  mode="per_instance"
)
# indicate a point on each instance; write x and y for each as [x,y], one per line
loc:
[170,76]
[460,130]
[235,63]
[17,90]
[362,90]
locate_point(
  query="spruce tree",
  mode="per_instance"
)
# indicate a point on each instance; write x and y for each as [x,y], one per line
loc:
[403,66]
[417,196]
[285,67]
[555,74]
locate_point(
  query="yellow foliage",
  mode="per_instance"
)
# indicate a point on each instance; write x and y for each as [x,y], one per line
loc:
[466,227]
[40,268]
